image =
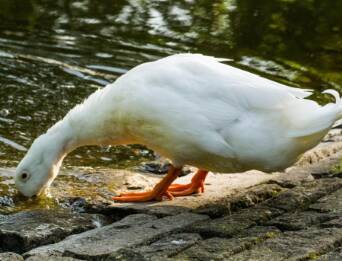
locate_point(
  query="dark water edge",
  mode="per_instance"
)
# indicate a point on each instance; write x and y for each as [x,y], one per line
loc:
[53,54]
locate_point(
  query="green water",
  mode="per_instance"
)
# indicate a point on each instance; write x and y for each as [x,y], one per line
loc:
[53,54]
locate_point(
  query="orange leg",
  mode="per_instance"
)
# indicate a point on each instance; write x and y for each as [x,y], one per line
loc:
[196,185]
[158,192]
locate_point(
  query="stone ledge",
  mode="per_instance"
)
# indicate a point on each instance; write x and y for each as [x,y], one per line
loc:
[132,231]
[23,231]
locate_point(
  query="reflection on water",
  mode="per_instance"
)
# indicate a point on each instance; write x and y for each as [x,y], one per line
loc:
[53,54]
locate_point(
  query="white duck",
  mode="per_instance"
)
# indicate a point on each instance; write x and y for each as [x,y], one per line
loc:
[193,110]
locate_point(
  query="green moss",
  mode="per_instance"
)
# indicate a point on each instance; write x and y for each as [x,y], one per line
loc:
[336,169]
[313,256]
[271,234]
[275,192]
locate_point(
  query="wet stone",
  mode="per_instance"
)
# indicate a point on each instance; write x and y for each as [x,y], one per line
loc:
[324,175]
[213,249]
[51,258]
[159,250]
[300,220]
[169,246]
[244,199]
[133,231]
[9,256]
[221,248]
[23,231]
[228,226]
[337,222]
[332,256]
[6,201]
[126,255]
[301,197]
[78,189]
[331,203]
[298,245]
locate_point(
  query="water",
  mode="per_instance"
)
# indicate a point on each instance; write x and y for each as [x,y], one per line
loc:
[53,54]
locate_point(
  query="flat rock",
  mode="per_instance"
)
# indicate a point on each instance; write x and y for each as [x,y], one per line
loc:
[218,186]
[130,232]
[25,230]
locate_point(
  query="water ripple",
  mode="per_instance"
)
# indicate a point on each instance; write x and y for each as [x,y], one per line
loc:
[12,144]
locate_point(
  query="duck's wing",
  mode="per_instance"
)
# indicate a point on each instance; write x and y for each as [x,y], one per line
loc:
[233,75]
[208,77]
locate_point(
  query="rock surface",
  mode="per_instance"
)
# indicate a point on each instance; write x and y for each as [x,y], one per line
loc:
[132,231]
[51,258]
[299,223]
[9,256]
[332,256]
[23,231]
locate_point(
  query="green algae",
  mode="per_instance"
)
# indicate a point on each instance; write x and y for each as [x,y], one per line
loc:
[74,188]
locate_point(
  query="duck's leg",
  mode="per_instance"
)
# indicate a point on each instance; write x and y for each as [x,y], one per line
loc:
[196,185]
[158,192]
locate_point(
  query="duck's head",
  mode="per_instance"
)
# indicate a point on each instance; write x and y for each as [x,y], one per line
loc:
[39,167]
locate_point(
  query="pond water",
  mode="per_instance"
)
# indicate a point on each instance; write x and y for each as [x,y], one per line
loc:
[53,54]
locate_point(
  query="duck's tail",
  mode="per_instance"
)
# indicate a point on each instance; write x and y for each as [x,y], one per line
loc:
[338,103]
[310,118]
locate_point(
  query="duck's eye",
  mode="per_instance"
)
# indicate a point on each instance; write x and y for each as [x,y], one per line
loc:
[25,176]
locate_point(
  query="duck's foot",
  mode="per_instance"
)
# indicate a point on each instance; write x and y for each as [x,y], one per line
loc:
[159,192]
[196,185]
[143,196]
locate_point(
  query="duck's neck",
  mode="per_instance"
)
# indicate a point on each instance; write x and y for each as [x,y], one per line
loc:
[63,138]
[90,123]
[60,140]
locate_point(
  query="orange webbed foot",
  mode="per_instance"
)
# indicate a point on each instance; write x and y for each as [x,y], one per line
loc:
[159,192]
[196,185]
[178,187]
[143,196]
